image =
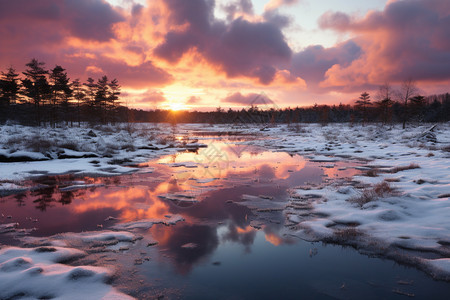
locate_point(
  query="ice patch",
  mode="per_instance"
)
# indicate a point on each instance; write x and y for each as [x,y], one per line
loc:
[261,203]
[181,197]
[148,223]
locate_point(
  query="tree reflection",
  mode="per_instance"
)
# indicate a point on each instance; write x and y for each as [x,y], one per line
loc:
[44,197]
[66,197]
[20,199]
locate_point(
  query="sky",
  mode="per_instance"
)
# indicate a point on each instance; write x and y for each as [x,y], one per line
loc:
[204,54]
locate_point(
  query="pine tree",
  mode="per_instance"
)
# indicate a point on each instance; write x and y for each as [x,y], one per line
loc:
[89,99]
[61,92]
[101,97]
[362,104]
[9,87]
[79,96]
[417,105]
[113,97]
[36,86]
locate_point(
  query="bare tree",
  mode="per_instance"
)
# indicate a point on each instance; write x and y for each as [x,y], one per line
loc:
[408,89]
[384,101]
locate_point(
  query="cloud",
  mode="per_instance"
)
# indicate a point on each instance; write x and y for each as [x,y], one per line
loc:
[238,48]
[85,19]
[148,99]
[140,76]
[232,9]
[252,99]
[94,70]
[275,4]
[80,35]
[277,19]
[313,62]
[193,100]
[408,39]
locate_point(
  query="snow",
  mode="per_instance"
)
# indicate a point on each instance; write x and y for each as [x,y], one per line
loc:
[148,223]
[37,273]
[179,197]
[412,217]
[33,151]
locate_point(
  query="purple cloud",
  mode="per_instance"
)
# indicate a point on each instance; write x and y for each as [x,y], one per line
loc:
[408,39]
[239,48]
[251,99]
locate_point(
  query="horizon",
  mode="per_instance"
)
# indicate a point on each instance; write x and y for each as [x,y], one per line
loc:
[200,55]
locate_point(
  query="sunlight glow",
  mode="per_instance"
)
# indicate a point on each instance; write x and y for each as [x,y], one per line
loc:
[177,106]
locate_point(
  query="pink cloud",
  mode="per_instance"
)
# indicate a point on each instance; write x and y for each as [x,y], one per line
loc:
[408,39]
[238,48]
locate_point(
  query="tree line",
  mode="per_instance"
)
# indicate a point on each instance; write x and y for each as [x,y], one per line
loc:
[42,96]
[434,108]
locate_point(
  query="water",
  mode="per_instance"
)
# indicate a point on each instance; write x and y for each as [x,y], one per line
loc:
[223,250]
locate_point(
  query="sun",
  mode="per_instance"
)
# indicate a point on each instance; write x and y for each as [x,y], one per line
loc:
[176,106]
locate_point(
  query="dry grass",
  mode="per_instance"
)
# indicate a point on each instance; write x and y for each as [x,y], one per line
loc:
[69,145]
[13,141]
[371,173]
[346,233]
[404,168]
[383,189]
[39,144]
[392,179]
[380,190]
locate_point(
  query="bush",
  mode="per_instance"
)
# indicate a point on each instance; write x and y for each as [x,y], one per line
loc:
[382,189]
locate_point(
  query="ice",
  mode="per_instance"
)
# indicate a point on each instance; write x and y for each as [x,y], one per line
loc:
[439,267]
[181,197]
[148,223]
[104,236]
[9,227]
[261,203]
[36,273]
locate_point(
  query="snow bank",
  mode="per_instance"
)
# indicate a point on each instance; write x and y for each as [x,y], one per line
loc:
[39,273]
[412,216]
[103,150]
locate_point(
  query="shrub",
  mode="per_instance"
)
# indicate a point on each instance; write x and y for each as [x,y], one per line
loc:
[372,172]
[382,189]
[38,144]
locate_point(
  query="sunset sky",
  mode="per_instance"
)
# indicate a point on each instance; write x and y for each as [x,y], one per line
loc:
[201,54]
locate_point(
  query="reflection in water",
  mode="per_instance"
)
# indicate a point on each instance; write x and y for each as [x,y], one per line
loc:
[188,244]
[244,236]
[215,178]
[206,187]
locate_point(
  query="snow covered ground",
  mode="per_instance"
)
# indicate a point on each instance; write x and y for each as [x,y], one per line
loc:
[27,152]
[41,273]
[398,207]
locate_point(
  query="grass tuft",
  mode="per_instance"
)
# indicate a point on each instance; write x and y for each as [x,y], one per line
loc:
[380,190]
[404,168]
